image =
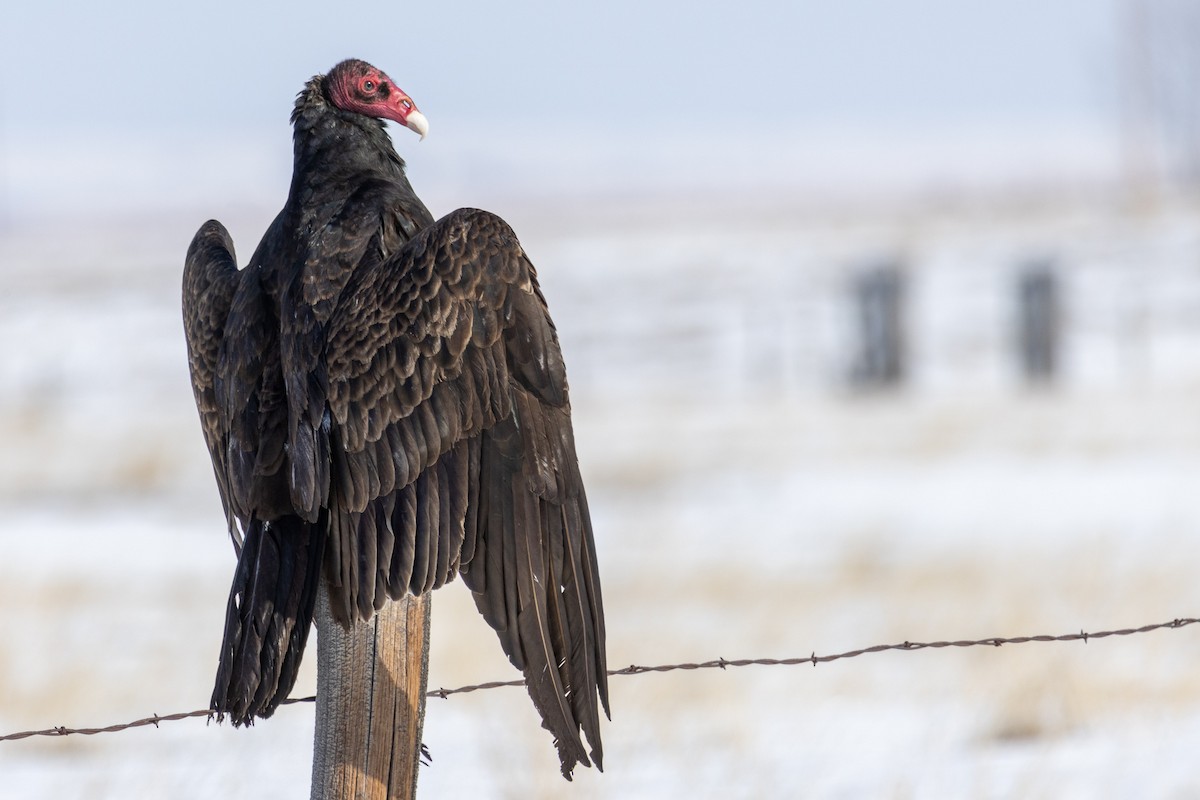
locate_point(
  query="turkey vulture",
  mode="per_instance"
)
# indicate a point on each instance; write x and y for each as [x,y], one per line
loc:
[384,401]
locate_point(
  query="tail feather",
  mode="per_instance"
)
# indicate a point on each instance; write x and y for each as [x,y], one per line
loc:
[268,617]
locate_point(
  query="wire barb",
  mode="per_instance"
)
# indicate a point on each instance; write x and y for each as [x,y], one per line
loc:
[635,669]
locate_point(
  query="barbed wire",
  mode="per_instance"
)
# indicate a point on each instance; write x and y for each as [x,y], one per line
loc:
[635,669]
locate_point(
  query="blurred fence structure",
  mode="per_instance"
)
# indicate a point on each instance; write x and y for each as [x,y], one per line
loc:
[1105,303]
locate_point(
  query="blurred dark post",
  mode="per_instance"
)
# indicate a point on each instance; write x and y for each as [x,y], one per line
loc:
[1039,321]
[879,296]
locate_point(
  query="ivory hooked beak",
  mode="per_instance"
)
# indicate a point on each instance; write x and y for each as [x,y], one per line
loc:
[417,122]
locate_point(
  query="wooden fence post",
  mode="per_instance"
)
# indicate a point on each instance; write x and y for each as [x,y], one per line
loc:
[371,683]
[1038,322]
[879,362]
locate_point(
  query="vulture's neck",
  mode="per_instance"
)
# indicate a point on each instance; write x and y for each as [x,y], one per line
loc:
[334,149]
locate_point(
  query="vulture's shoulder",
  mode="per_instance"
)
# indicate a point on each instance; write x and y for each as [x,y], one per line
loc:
[459,302]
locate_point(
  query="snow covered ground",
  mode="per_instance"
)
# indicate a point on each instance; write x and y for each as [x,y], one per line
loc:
[746,504]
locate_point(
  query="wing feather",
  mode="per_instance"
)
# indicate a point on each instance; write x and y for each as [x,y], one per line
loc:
[405,524]
[382,512]
[447,538]
[423,546]
[368,552]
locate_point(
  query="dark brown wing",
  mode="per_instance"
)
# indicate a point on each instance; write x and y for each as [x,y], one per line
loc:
[233,351]
[233,354]
[370,220]
[209,282]
[451,450]
[253,405]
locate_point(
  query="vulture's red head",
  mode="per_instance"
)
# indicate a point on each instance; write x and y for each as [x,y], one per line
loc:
[358,87]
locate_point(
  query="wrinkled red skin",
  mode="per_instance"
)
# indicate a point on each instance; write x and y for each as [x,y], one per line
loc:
[358,87]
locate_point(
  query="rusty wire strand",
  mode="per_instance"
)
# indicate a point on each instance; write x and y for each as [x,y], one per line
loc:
[634,669]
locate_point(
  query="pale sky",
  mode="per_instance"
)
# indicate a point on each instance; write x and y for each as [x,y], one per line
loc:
[96,81]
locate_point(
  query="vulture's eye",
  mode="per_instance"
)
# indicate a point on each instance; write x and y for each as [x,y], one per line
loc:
[368,85]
